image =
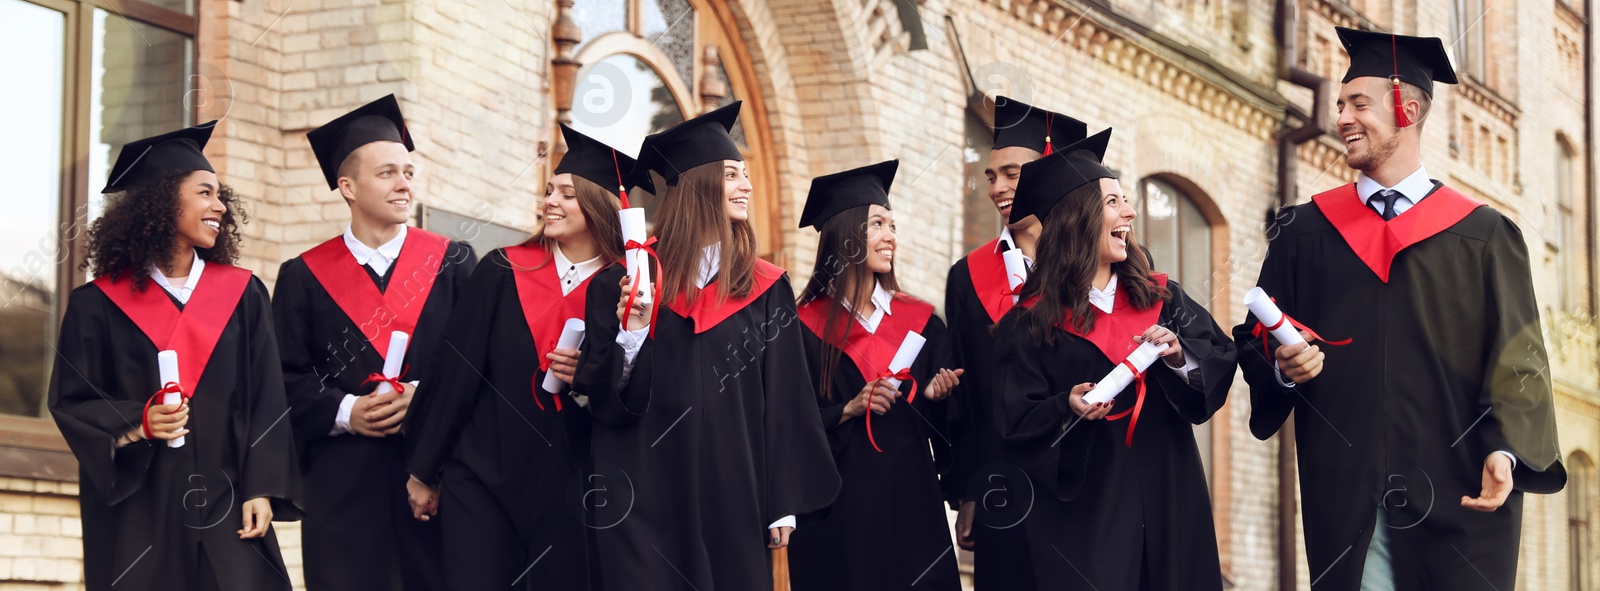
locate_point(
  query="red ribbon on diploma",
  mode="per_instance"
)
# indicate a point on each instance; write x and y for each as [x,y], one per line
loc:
[654,287]
[556,396]
[1138,402]
[167,388]
[394,382]
[1260,330]
[902,375]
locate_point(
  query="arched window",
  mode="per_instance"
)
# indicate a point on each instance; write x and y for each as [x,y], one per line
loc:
[1580,521]
[650,64]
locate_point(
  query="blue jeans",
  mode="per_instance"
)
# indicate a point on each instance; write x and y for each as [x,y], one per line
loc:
[1377,573]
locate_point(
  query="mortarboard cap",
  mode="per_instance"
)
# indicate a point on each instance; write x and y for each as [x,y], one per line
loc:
[378,120]
[600,164]
[1046,180]
[834,193]
[157,156]
[698,141]
[1418,61]
[1019,124]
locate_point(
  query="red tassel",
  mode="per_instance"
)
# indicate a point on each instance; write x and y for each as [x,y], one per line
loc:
[622,191]
[1049,123]
[1047,147]
[1400,119]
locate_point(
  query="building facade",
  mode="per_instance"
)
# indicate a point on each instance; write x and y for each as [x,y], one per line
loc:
[1221,110]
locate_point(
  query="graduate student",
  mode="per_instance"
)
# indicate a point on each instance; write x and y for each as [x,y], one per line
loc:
[336,306]
[886,529]
[977,294]
[1418,437]
[1121,499]
[708,440]
[500,449]
[156,517]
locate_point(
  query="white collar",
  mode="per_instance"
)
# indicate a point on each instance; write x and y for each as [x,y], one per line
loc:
[571,273]
[1005,238]
[363,253]
[197,266]
[1104,299]
[710,262]
[881,301]
[1413,187]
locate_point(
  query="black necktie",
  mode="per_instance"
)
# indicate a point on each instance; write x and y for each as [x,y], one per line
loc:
[1389,197]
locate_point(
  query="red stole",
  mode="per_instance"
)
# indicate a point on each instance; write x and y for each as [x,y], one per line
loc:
[194,331]
[706,313]
[1113,333]
[378,314]
[871,352]
[1376,241]
[544,307]
[988,270]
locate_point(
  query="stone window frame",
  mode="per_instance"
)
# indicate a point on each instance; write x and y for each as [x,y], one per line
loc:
[32,447]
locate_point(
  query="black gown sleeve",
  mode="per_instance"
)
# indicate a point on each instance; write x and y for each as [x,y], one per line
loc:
[269,468]
[1516,380]
[961,417]
[1270,400]
[1032,417]
[802,476]
[935,412]
[1206,389]
[599,373]
[86,404]
[313,396]
[439,411]
[831,412]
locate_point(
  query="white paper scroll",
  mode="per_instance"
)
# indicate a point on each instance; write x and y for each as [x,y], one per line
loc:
[1016,271]
[392,361]
[168,361]
[633,229]
[1268,314]
[571,338]
[1119,378]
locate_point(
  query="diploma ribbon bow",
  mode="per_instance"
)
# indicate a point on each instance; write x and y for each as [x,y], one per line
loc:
[1260,330]
[1014,292]
[1138,402]
[394,382]
[902,375]
[167,388]
[655,288]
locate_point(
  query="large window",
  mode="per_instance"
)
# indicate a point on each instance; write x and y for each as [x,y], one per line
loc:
[87,76]
[651,64]
[1566,232]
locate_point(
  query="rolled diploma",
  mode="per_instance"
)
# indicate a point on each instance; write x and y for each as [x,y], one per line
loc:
[638,260]
[1016,270]
[168,361]
[1268,314]
[571,338]
[392,361]
[906,355]
[1119,378]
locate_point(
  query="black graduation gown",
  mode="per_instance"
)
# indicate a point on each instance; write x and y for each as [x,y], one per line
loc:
[166,519]
[980,471]
[508,467]
[358,531]
[887,529]
[1105,514]
[1399,417]
[715,436]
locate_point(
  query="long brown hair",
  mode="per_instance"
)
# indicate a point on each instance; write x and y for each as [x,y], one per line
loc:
[841,275]
[1069,254]
[139,229]
[599,208]
[693,216]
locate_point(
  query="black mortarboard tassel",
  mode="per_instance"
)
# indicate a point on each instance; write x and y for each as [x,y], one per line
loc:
[378,120]
[834,193]
[698,141]
[1019,124]
[1418,61]
[156,156]
[1046,180]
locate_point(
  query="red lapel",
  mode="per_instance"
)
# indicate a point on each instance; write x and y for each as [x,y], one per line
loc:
[988,270]
[194,331]
[539,291]
[1113,333]
[871,352]
[1377,242]
[375,313]
[706,313]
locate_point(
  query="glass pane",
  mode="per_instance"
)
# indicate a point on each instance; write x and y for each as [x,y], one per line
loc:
[138,85]
[1195,236]
[669,25]
[1161,227]
[738,126]
[598,17]
[619,100]
[30,245]
[980,222]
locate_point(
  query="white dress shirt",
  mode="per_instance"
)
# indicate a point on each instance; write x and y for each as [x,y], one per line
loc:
[881,300]
[180,292]
[1412,189]
[573,274]
[379,260]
